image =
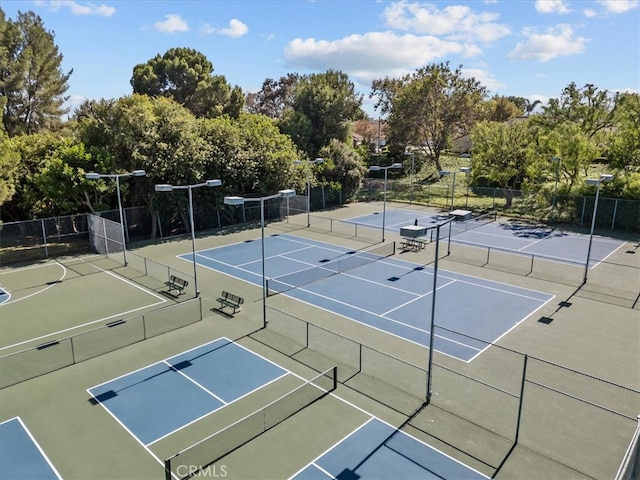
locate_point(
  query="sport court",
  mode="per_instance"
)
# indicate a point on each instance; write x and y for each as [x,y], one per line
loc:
[21,456]
[160,399]
[513,236]
[384,293]
[378,450]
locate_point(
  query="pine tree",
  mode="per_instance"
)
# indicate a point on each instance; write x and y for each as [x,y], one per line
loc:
[32,83]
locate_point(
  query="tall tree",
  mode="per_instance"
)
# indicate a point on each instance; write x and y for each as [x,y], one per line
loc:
[322,108]
[430,107]
[502,154]
[186,76]
[31,80]
[591,109]
[343,166]
[274,97]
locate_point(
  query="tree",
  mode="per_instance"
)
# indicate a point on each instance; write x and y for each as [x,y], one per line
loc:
[589,108]
[186,76]
[274,97]
[429,107]
[343,167]
[249,154]
[322,108]
[622,147]
[502,154]
[31,80]
[501,109]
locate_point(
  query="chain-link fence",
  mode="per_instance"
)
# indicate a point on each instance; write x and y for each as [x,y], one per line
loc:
[507,399]
[612,213]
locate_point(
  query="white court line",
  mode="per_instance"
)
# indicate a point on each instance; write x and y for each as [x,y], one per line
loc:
[37,445]
[64,274]
[120,314]
[384,318]
[160,461]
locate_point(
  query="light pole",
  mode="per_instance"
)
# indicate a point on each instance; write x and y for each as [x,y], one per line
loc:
[412,155]
[235,200]
[445,173]
[309,162]
[135,173]
[555,160]
[433,307]
[376,168]
[596,182]
[165,187]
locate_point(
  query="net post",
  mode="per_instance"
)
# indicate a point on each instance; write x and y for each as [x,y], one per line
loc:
[335,377]
[167,469]
[521,399]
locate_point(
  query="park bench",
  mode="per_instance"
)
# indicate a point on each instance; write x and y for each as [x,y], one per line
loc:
[177,284]
[230,300]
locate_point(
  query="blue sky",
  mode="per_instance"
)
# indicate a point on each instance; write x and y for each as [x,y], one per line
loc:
[527,48]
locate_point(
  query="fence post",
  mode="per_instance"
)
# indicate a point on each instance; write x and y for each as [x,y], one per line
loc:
[44,238]
[521,400]
[584,206]
[615,210]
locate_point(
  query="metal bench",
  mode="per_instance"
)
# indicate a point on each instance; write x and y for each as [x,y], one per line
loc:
[230,300]
[177,284]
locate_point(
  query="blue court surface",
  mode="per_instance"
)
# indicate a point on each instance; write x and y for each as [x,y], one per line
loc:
[4,296]
[512,235]
[377,450]
[390,295]
[20,455]
[157,400]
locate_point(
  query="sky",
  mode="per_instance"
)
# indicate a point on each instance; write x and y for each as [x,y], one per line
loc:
[530,49]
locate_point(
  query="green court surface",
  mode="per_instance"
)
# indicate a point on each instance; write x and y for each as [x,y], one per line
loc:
[557,397]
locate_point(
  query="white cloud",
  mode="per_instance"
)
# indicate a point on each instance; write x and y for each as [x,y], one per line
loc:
[555,42]
[552,6]
[79,9]
[172,23]
[589,13]
[373,54]
[455,21]
[236,29]
[619,6]
[484,77]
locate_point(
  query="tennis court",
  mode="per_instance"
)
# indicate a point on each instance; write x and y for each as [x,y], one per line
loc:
[384,293]
[21,457]
[65,297]
[511,235]
[378,450]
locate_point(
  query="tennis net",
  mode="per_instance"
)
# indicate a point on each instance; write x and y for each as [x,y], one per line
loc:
[474,222]
[351,260]
[194,459]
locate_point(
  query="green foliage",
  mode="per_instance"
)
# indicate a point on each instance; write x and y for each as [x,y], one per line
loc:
[186,76]
[343,166]
[31,81]
[323,105]
[622,147]
[429,107]
[249,155]
[502,154]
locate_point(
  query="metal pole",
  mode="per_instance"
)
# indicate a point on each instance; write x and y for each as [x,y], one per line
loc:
[308,194]
[593,224]
[384,203]
[453,191]
[193,242]
[433,315]
[555,189]
[412,170]
[124,244]
[264,278]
